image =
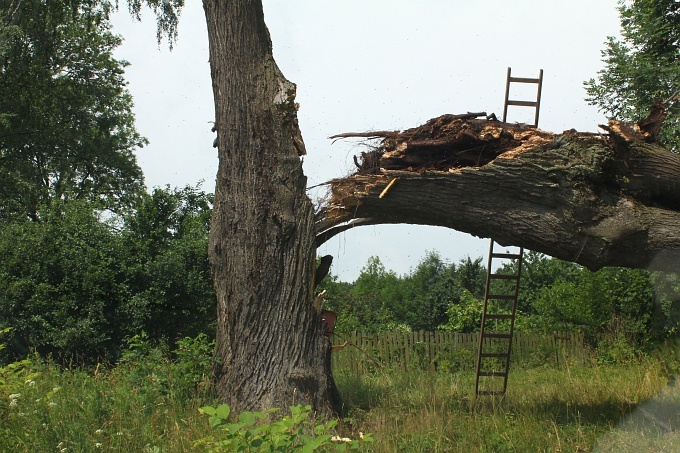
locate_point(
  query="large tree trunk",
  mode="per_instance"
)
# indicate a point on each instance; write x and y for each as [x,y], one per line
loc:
[598,200]
[270,340]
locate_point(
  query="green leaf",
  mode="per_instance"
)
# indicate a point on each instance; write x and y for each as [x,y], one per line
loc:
[247,418]
[208,410]
[223,411]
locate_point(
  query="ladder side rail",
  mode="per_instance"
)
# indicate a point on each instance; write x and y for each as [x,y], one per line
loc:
[538,96]
[484,308]
[512,319]
[507,93]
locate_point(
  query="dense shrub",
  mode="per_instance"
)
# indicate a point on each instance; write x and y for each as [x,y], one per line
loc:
[75,284]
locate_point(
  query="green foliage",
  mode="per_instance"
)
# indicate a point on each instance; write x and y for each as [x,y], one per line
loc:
[15,375]
[643,66]
[430,289]
[62,283]
[471,276]
[464,316]
[157,374]
[574,304]
[167,16]
[76,285]
[538,272]
[165,242]
[67,409]
[381,301]
[614,350]
[68,129]
[294,432]
[368,304]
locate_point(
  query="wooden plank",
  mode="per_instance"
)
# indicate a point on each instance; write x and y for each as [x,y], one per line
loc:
[523,103]
[524,80]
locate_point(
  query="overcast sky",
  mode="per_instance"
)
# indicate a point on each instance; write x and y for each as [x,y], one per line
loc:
[371,65]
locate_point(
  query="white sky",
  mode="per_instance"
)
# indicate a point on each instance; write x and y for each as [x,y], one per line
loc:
[371,65]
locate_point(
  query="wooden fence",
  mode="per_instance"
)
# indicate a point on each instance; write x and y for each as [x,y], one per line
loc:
[447,351]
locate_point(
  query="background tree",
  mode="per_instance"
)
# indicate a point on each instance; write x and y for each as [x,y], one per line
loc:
[471,275]
[165,242]
[75,285]
[67,129]
[643,66]
[378,297]
[430,289]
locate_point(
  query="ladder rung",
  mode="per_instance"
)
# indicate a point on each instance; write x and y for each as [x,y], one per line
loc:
[501,296]
[504,276]
[498,355]
[492,373]
[498,316]
[491,392]
[524,80]
[497,335]
[512,256]
[523,103]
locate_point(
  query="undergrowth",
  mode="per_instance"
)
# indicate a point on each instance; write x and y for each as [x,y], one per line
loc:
[150,402]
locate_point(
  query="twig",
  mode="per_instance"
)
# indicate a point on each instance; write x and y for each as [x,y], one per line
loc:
[376,134]
[319,185]
[674,97]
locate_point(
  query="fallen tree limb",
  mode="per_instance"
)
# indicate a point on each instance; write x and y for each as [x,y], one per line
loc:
[598,201]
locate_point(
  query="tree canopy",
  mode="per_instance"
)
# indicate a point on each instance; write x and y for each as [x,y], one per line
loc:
[67,129]
[642,67]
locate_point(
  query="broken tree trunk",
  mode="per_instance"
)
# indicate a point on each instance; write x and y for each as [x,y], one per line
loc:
[597,200]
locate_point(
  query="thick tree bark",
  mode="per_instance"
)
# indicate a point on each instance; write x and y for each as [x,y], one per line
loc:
[609,200]
[270,340]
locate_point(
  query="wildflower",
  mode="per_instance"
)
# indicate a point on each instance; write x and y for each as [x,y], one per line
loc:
[98,445]
[30,382]
[99,431]
[13,399]
[340,439]
[52,403]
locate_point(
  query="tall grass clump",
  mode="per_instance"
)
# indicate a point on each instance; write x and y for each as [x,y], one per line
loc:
[149,402]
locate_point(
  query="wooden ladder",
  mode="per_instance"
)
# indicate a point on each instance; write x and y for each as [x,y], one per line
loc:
[536,104]
[498,322]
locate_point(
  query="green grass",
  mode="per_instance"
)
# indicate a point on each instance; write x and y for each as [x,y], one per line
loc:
[546,409]
[77,411]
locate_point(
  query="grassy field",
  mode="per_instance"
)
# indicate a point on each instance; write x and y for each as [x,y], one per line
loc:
[149,408]
[577,409]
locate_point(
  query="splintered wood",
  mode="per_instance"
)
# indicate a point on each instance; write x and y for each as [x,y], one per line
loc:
[446,144]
